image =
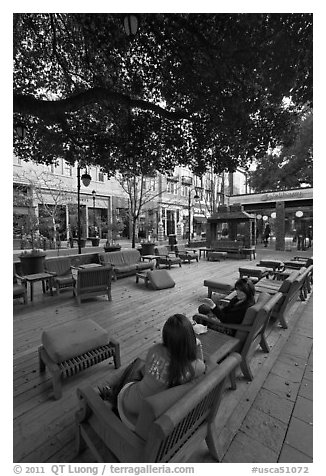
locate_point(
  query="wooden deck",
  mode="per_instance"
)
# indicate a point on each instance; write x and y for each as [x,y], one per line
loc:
[43,427]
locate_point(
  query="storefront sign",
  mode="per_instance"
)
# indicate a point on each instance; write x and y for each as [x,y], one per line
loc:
[305,193]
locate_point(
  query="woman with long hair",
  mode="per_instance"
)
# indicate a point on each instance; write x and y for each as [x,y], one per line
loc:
[177,360]
[235,310]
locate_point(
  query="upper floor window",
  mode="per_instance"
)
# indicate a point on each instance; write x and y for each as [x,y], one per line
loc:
[172,187]
[150,184]
[67,169]
[101,176]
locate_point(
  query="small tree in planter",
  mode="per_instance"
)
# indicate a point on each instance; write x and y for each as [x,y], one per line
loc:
[114,230]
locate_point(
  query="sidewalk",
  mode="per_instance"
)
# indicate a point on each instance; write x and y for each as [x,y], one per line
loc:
[278,427]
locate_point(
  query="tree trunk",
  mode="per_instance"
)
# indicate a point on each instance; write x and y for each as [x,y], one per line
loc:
[133,244]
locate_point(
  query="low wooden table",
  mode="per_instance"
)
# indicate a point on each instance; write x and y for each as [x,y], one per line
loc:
[143,276]
[249,251]
[256,272]
[43,277]
[150,258]
[204,250]
[89,265]
[217,346]
[275,264]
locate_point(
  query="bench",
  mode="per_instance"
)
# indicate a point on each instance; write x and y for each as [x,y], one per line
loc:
[125,263]
[233,248]
[69,348]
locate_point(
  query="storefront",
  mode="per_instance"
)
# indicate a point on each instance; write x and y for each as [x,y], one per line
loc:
[289,214]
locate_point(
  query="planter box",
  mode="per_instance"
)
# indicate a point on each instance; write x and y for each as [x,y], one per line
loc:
[147,249]
[32,264]
[95,241]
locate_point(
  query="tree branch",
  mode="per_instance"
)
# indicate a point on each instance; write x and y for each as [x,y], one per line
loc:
[54,110]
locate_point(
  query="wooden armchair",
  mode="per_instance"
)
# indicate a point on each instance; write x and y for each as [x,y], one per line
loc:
[251,332]
[61,270]
[92,282]
[169,427]
[294,286]
[166,257]
[19,286]
[186,254]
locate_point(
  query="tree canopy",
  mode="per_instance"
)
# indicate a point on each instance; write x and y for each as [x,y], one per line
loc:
[292,167]
[188,89]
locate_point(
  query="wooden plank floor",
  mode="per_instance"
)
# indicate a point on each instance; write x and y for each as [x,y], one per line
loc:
[43,427]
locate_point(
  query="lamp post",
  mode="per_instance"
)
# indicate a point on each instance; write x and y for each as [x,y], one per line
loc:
[188,181]
[86,179]
[94,195]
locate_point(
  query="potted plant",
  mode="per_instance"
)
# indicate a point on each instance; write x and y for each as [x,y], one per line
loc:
[95,239]
[114,229]
[32,261]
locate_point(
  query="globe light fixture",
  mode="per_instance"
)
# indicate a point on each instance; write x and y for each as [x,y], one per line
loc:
[265,217]
[86,179]
[259,216]
[299,214]
[273,215]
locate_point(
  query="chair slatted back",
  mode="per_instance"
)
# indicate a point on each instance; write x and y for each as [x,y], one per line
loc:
[161,250]
[60,266]
[181,422]
[93,278]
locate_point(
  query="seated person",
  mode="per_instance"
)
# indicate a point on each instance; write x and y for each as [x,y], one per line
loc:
[234,311]
[177,360]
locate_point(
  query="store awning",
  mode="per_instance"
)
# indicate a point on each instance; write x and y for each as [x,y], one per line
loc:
[200,219]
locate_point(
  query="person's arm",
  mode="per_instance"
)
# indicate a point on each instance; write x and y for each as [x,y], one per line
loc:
[200,354]
[234,314]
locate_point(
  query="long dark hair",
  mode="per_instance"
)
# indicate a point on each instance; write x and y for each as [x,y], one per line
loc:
[180,340]
[247,286]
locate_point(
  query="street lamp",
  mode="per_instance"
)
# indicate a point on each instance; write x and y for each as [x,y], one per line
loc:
[86,179]
[94,195]
[188,181]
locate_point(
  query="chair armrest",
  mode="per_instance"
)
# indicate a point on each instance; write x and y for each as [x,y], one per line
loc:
[53,273]
[238,327]
[94,403]
[20,278]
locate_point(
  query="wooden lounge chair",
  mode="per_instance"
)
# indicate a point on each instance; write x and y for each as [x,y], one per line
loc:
[291,288]
[92,282]
[166,257]
[61,270]
[251,332]
[169,428]
[185,254]
[19,286]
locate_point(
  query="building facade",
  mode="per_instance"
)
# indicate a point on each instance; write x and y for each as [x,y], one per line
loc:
[174,205]
[289,214]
